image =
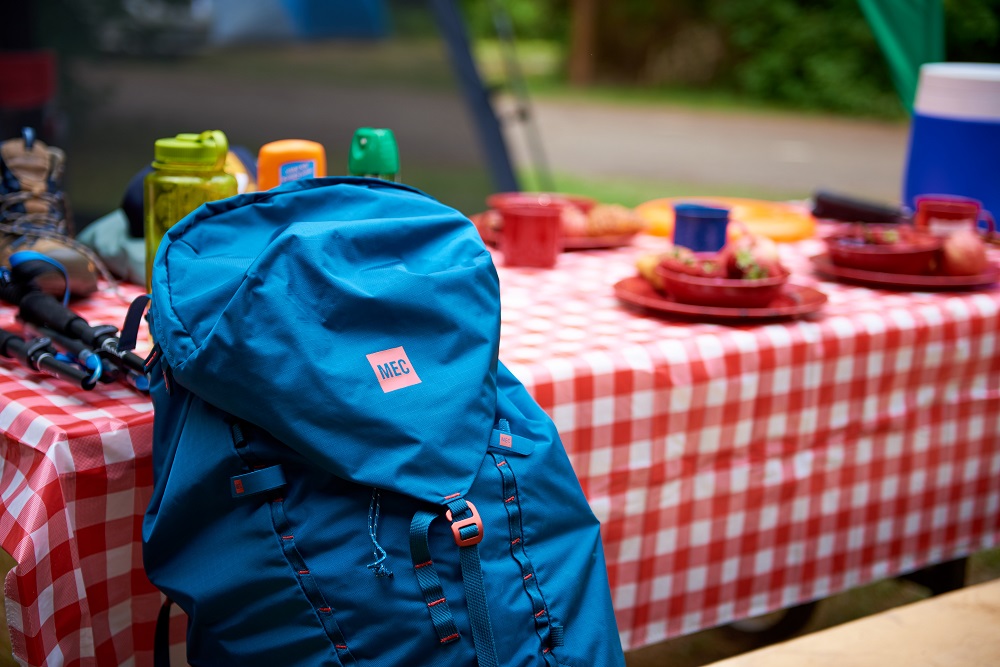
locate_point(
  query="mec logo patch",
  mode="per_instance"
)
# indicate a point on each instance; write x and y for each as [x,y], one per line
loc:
[393,369]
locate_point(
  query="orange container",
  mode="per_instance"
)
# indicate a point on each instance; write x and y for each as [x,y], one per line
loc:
[289,160]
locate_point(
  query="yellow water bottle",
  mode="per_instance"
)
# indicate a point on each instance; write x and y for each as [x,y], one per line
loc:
[188,170]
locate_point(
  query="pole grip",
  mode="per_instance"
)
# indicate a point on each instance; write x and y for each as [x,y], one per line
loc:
[45,310]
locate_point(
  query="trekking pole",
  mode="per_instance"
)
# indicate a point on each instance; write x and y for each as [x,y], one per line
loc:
[79,352]
[41,309]
[39,355]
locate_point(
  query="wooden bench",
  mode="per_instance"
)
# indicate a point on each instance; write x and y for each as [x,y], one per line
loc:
[957,629]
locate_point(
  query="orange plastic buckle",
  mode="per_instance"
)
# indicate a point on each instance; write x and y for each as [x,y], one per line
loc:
[457,526]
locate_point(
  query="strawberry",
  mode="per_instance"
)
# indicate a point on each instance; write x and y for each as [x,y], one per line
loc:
[751,258]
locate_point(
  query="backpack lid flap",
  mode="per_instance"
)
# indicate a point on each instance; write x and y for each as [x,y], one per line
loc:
[355,320]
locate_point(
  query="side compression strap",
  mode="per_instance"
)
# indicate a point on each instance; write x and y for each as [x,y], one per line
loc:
[427,578]
[468,533]
[161,639]
[549,632]
[469,536]
[308,583]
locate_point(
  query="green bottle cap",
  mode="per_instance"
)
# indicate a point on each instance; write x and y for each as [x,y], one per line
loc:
[207,148]
[373,153]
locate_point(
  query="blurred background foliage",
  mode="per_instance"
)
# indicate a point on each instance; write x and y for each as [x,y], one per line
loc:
[813,56]
[797,54]
[800,54]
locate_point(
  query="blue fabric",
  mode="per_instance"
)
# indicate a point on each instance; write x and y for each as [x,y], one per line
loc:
[512,504]
[286,293]
[258,481]
[953,156]
[267,310]
[475,589]
[502,441]
[428,580]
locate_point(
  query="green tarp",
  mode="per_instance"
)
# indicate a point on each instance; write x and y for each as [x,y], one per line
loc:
[910,33]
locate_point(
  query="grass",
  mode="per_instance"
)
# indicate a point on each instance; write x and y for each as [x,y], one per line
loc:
[632,192]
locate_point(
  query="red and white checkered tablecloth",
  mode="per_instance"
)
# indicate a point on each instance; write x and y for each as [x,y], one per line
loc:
[735,469]
[740,469]
[75,480]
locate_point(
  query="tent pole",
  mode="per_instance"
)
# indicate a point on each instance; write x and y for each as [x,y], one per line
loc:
[476,95]
[505,31]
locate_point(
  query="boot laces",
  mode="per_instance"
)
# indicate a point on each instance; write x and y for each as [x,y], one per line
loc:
[49,225]
[22,222]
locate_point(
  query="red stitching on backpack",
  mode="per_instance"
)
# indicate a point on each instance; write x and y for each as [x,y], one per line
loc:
[527,576]
[546,649]
[454,495]
[501,464]
[438,601]
[325,610]
[516,541]
[424,564]
[511,499]
[445,640]
[340,646]
[287,537]
[539,613]
[303,571]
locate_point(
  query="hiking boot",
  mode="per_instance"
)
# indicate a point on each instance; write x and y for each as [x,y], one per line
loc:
[34,214]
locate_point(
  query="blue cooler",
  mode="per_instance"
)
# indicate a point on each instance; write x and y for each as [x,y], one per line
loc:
[954,144]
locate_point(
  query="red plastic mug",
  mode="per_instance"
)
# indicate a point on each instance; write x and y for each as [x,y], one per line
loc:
[943,214]
[531,235]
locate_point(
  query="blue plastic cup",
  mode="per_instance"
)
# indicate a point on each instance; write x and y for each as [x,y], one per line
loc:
[699,227]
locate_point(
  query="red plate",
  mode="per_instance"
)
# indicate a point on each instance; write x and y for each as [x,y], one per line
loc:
[794,301]
[489,235]
[597,242]
[903,281]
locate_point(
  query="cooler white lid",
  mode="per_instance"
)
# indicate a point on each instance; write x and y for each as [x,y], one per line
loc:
[959,90]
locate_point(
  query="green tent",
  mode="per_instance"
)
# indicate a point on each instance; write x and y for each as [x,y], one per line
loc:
[910,33]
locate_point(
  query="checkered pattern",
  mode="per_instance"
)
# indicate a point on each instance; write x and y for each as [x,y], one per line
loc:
[740,469]
[735,469]
[76,478]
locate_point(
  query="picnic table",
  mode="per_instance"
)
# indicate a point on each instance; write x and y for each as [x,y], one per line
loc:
[737,468]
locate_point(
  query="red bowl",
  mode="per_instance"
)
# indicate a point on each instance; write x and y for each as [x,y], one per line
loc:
[503,199]
[919,254]
[722,292]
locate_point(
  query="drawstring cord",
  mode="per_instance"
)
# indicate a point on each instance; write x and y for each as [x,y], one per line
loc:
[377,567]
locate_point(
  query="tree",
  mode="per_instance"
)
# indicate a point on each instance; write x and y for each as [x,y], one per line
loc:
[583,26]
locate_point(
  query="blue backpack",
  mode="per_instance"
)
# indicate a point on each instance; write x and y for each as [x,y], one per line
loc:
[344,472]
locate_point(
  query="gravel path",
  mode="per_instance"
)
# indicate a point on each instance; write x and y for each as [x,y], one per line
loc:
[719,148]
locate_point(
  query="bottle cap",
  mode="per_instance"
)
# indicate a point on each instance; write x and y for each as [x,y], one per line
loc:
[207,148]
[373,152]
